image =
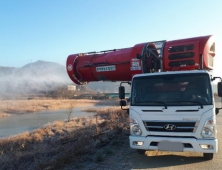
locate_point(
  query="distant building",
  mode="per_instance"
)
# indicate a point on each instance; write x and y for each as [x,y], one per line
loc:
[71,87]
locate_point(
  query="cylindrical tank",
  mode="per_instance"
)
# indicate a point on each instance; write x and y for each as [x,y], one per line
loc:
[123,64]
[115,65]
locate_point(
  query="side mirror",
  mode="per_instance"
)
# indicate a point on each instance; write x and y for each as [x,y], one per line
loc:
[122,92]
[219,89]
[122,103]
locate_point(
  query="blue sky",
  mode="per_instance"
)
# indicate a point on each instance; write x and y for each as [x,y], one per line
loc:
[50,30]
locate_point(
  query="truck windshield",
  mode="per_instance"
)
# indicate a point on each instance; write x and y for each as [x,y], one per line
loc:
[172,90]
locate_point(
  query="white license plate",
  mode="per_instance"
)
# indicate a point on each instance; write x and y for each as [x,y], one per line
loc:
[170,146]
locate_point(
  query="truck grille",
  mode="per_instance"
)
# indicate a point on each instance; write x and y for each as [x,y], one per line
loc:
[170,126]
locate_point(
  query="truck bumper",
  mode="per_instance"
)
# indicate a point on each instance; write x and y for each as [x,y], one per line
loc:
[174,144]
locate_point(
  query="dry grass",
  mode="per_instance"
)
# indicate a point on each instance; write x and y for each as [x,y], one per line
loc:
[29,106]
[3,114]
[110,102]
[66,144]
[102,109]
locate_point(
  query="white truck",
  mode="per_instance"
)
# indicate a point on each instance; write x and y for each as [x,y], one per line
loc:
[173,111]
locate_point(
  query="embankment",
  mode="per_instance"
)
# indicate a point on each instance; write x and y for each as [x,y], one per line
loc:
[81,143]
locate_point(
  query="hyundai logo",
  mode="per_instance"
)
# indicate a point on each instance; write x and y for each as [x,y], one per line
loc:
[169,127]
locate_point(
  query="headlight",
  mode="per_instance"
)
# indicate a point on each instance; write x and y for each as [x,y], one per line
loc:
[136,130]
[134,127]
[208,130]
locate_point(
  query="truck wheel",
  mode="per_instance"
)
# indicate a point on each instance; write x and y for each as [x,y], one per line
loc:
[208,156]
[141,151]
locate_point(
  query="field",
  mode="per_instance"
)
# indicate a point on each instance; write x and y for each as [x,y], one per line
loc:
[9,107]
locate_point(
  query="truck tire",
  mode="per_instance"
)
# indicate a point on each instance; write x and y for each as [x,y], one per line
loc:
[141,151]
[208,156]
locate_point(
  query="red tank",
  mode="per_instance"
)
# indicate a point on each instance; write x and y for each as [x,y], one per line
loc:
[123,64]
